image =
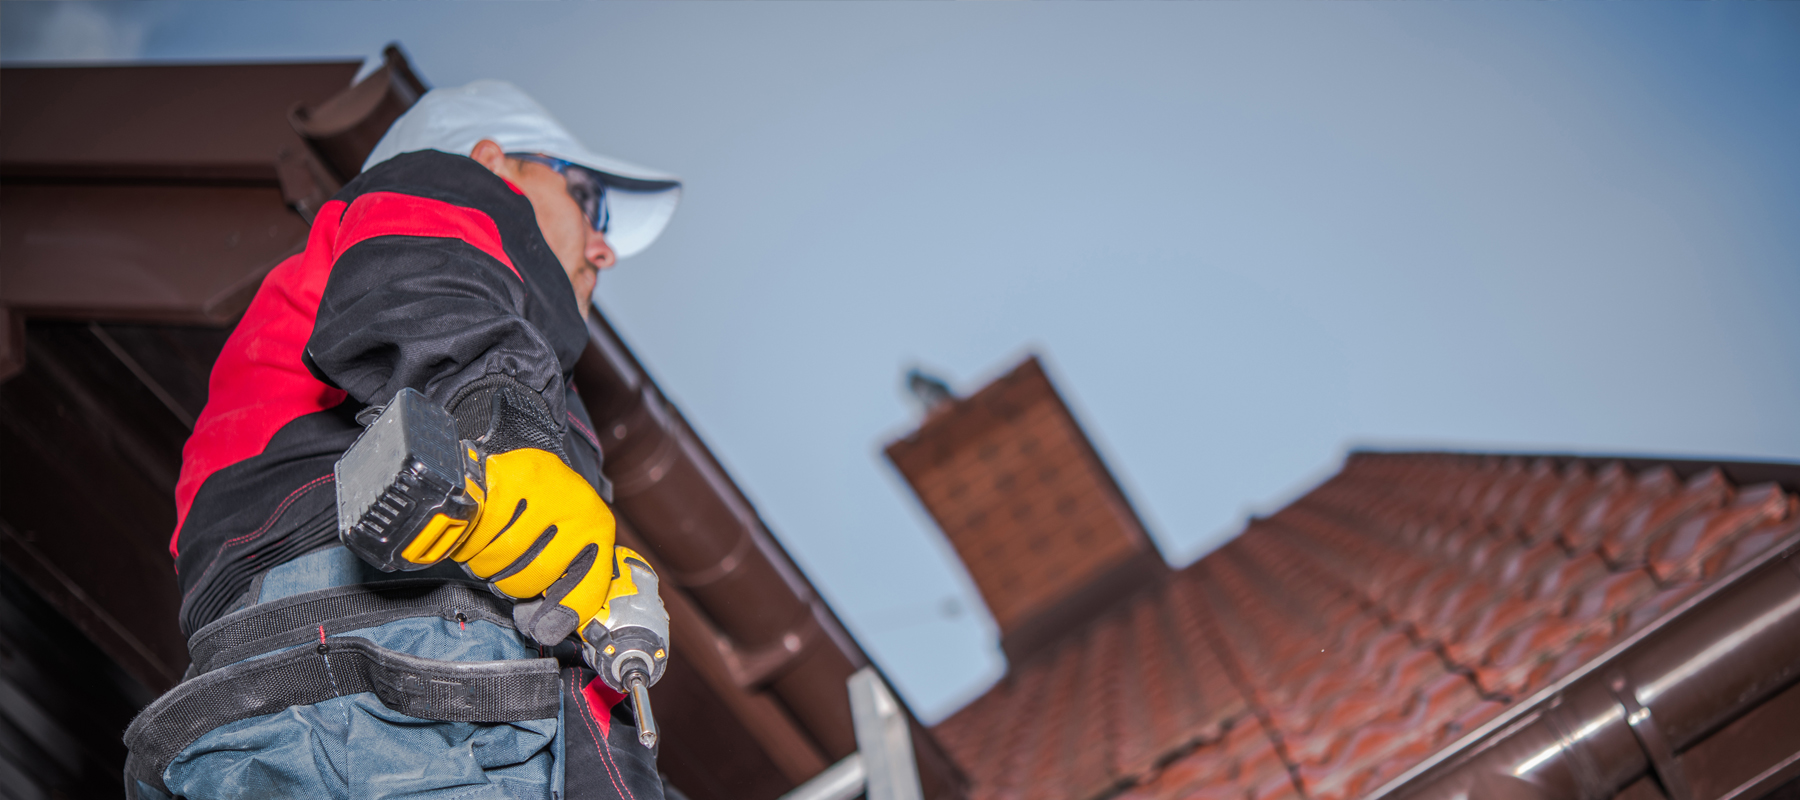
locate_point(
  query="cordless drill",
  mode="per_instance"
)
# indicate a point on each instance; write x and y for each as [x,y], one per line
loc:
[406,483]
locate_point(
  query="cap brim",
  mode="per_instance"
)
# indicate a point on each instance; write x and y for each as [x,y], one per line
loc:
[637,218]
[640,201]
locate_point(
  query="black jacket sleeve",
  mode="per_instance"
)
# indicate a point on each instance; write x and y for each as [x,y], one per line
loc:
[443,283]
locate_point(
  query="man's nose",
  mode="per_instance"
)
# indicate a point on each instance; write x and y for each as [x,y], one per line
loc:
[599,253]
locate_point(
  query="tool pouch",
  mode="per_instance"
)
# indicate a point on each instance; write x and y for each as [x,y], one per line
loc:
[423,689]
[280,684]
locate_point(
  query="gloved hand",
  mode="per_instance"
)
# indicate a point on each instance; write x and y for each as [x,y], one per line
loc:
[542,529]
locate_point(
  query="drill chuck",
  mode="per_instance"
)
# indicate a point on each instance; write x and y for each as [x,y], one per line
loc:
[634,632]
[630,646]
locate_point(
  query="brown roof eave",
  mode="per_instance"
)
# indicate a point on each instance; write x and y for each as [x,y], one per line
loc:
[1692,672]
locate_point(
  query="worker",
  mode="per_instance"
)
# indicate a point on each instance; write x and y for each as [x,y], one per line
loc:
[460,263]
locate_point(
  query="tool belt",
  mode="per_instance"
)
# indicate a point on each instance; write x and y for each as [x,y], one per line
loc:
[271,656]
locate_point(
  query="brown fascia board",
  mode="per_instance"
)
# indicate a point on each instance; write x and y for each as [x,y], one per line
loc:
[1635,709]
[147,193]
[214,122]
[767,633]
[167,253]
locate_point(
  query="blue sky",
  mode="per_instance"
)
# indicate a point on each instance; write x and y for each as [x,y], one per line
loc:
[1245,237]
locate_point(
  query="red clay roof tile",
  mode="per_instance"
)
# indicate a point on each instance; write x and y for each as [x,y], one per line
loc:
[1329,648]
[1678,556]
[1624,545]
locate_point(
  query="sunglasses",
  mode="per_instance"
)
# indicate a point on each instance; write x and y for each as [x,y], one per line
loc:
[584,186]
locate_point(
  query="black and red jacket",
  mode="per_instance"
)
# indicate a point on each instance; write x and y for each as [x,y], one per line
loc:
[427,271]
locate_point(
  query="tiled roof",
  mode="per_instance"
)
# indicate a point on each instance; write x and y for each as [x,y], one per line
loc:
[1339,642]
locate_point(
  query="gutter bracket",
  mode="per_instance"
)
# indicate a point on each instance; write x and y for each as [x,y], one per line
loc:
[1650,737]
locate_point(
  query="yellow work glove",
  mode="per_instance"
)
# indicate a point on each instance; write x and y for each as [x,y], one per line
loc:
[543,530]
[543,537]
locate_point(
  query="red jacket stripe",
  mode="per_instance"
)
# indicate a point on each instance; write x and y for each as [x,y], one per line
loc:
[392,214]
[259,383]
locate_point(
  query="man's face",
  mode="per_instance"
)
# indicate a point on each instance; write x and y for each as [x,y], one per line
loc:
[581,250]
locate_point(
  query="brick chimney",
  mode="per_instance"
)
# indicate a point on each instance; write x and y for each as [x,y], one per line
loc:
[1036,517]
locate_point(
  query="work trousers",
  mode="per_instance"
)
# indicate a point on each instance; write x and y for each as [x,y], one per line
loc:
[414,685]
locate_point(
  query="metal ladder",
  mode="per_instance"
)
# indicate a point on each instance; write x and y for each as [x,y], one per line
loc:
[882,768]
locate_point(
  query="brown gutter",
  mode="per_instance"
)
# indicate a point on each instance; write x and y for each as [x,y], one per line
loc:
[1634,710]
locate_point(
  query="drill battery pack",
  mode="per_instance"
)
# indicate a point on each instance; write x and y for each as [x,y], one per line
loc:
[406,468]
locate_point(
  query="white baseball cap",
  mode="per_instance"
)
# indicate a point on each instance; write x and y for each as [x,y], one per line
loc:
[640,201]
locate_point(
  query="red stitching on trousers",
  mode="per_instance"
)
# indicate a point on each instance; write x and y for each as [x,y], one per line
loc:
[600,744]
[607,757]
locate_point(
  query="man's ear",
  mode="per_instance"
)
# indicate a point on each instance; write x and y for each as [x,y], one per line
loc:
[487,152]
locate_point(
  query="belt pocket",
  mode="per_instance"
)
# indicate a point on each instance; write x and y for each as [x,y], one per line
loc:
[268,627]
[450,691]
